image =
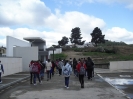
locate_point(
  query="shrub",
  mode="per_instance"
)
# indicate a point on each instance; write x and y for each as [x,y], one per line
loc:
[57,56]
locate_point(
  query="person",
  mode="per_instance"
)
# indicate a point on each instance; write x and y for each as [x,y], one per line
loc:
[60,65]
[81,67]
[1,71]
[36,71]
[56,66]
[48,68]
[31,73]
[90,68]
[42,69]
[70,62]
[74,66]
[66,71]
[53,67]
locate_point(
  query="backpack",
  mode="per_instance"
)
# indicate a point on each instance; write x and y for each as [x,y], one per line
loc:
[66,71]
[34,68]
[82,70]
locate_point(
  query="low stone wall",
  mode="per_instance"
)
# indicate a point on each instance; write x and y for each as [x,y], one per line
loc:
[11,65]
[117,65]
[103,66]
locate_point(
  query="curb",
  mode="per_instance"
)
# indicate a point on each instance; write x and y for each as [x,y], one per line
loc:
[11,83]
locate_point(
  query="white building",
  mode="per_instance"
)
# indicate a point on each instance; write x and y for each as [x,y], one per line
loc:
[34,49]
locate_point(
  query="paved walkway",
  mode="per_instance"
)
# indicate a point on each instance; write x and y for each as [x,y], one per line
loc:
[54,88]
[13,79]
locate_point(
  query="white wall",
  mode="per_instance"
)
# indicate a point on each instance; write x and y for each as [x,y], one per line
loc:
[40,45]
[27,54]
[11,41]
[11,65]
[117,65]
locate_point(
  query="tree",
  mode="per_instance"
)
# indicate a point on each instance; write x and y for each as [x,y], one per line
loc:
[76,36]
[63,41]
[97,36]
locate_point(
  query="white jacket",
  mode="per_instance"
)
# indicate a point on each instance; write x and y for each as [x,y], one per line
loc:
[48,65]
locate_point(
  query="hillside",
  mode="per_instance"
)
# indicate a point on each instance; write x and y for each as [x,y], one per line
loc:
[124,53]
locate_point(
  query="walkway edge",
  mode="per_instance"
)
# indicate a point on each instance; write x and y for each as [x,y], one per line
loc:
[16,81]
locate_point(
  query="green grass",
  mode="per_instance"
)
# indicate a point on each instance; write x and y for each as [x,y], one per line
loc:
[114,57]
[98,54]
[57,56]
[125,57]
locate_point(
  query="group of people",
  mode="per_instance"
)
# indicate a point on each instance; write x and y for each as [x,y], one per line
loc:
[80,68]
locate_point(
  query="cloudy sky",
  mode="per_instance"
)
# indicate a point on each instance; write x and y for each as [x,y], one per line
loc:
[53,19]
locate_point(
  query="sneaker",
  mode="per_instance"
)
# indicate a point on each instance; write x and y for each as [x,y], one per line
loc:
[0,82]
[41,82]
[67,87]
[34,84]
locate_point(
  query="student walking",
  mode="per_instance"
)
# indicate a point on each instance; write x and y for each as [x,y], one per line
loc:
[66,71]
[81,68]
[53,67]
[48,68]
[74,67]
[31,73]
[42,70]
[1,71]
[60,65]
[90,68]
[36,71]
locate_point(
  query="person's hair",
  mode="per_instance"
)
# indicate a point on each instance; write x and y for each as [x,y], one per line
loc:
[74,59]
[82,60]
[89,59]
[59,59]
[66,61]
[48,60]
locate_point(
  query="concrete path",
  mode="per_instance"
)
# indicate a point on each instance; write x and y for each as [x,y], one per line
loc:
[54,89]
[13,79]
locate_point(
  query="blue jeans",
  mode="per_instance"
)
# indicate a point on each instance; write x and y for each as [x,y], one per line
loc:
[42,73]
[36,75]
[0,76]
[67,81]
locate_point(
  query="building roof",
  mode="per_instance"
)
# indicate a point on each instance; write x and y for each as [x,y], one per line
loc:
[35,39]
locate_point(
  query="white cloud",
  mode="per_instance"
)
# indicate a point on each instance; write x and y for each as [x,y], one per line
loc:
[23,12]
[35,13]
[119,34]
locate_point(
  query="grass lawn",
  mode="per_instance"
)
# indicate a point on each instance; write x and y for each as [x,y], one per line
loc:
[109,56]
[57,56]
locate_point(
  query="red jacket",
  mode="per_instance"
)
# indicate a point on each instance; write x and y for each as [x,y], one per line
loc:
[79,65]
[39,67]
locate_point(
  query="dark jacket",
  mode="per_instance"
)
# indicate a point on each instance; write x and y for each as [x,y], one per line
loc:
[1,68]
